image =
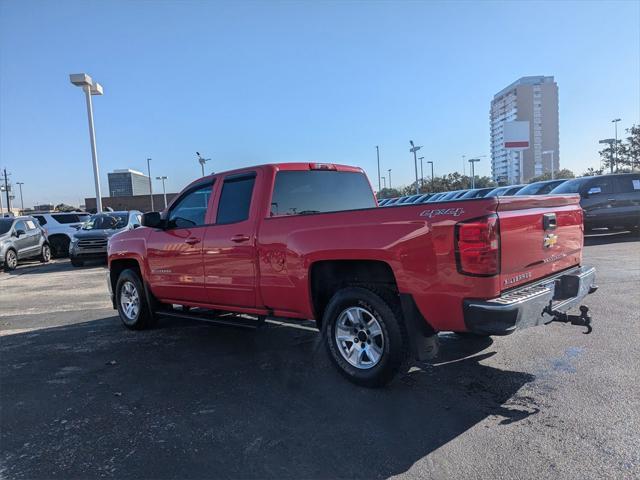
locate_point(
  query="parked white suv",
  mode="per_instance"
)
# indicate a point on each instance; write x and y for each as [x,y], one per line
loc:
[60,227]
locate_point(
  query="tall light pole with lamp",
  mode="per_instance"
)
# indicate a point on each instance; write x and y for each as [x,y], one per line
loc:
[553,166]
[421,172]
[164,192]
[414,149]
[150,185]
[615,122]
[384,182]
[202,161]
[91,88]
[378,156]
[472,161]
[21,199]
[432,182]
[389,176]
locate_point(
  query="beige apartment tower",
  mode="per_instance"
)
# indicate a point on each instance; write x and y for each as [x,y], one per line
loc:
[532,99]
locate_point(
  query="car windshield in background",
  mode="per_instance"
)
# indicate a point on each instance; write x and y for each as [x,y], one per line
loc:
[571,186]
[106,222]
[5,225]
[318,191]
[71,218]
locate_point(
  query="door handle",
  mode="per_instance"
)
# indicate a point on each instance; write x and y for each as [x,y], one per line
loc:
[240,238]
[192,241]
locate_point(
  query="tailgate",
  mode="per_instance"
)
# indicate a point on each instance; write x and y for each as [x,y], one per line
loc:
[539,235]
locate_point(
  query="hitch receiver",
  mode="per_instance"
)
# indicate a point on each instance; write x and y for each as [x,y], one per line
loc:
[583,320]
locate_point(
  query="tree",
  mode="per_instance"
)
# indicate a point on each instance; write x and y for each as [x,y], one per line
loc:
[631,149]
[63,207]
[592,172]
[564,173]
[388,193]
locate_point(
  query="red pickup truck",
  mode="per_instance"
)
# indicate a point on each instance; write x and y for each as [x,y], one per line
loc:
[308,241]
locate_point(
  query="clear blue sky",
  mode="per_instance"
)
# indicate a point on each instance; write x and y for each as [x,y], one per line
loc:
[254,82]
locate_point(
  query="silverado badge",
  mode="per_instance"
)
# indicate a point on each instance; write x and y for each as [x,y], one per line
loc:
[550,240]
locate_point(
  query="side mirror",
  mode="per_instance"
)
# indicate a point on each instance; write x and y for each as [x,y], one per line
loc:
[152,220]
[19,233]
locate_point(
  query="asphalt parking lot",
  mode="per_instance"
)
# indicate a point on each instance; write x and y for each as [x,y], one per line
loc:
[83,397]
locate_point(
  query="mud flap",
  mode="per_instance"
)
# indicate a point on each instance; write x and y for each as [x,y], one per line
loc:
[423,339]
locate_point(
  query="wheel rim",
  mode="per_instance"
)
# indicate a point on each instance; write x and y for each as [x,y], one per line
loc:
[359,338]
[46,253]
[12,260]
[129,301]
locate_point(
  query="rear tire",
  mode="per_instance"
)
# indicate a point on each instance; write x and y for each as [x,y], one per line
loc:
[10,260]
[365,335]
[45,255]
[131,302]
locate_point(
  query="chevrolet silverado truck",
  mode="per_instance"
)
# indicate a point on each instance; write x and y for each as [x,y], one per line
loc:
[308,241]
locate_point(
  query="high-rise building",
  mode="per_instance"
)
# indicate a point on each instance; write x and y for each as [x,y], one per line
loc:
[532,99]
[127,182]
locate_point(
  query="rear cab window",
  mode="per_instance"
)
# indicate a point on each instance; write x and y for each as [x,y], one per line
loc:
[301,192]
[41,220]
[70,218]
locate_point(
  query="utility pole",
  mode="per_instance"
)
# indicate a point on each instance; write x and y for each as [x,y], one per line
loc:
[6,189]
[378,155]
[150,187]
[413,150]
[21,199]
[389,175]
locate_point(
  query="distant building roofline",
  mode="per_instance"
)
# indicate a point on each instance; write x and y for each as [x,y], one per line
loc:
[128,170]
[534,80]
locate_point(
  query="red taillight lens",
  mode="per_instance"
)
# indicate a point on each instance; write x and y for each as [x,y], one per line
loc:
[478,246]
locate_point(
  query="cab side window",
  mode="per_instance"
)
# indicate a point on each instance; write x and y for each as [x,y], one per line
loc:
[19,225]
[191,209]
[598,185]
[235,198]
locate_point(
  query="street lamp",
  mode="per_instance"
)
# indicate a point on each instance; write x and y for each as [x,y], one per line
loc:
[421,172]
[164,192]
[202,161]
[389,176]
[553,167]
[378,156]
[472,161]
[610,142]
[150,186]
[384,181]
[413,150]
[432,183]
[21,199]
[615,122]
[90,88]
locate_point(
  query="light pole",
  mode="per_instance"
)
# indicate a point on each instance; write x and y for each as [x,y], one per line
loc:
[615,122]
[90,88]
[21,199]
[150,186]
[432,184]
[610,142]
[384,182]
[421,172]
[553,167]
[164,192]
[413,150]
[472,161]
[378,156]
[389,176]
[464,165]
[202,161]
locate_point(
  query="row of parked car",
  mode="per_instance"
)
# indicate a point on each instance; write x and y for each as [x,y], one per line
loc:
[608,201]
[44,235]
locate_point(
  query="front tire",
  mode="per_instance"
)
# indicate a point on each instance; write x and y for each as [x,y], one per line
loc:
[365,335]
[131,301]
[10,260]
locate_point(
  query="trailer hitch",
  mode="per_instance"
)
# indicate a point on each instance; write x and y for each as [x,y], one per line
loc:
[583,320]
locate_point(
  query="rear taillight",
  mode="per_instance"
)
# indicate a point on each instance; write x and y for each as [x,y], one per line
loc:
[478,246]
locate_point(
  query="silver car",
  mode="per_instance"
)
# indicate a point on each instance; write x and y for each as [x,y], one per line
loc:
[22,238]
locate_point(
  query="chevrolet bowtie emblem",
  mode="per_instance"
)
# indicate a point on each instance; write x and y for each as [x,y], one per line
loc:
[550,240]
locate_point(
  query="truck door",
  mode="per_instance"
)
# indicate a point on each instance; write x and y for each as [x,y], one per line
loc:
[230,245]
[174,254]
[597,199]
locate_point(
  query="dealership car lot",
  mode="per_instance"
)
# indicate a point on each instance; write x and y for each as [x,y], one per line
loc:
[83,397]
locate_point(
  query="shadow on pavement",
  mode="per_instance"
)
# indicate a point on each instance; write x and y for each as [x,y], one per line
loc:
[190,400]
[31,267]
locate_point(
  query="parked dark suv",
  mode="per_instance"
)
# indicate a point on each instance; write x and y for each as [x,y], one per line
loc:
[22,238]
[608,201]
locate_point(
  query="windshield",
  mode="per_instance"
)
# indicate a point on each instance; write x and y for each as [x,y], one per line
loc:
[571,186]
[5,225]
[111,221]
